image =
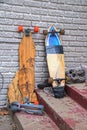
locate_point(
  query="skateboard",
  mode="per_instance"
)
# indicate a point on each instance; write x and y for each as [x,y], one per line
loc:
[21,94]
[55,57]
[26,58]
[22,87]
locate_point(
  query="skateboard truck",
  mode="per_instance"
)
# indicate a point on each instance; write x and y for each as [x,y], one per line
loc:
[61,31]
[59,80]
[50,80]
[28,30]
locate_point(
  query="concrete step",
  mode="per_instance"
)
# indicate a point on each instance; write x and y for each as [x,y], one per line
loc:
[26,121]
[65,112]
[78,92]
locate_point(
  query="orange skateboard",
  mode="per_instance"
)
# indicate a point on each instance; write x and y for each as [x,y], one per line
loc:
[26,58]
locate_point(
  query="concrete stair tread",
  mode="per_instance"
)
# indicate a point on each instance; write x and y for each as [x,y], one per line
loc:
[34,122]
[78,92]
[80,88]
[70,113]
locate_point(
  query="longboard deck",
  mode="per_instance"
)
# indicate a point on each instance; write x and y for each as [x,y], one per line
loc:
[23,84]
[26,73]
[55,57]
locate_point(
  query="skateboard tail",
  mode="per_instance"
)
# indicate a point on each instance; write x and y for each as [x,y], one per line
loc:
[56,67]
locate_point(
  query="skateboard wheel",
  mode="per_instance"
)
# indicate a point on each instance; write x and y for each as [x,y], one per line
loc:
[36,103]
[20,28]
[50,80]
[36,29]
[62,31]
[45,32]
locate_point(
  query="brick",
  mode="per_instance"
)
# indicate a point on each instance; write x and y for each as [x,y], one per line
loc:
[49,19]
[6,34]
[69,38]
[71,14]
[80,8]
[83,27]
[27,16]
[5,7]
[4,92]
[70,26]
[7,28]
[41,64]
[82,38]
[44,0]
[41,54]
[72,54]
[1,1]
[70,59]
[40,24]
[22,22]
[39,11]
[9,46]
[81,49]
[84,3]
[3,104]
[40,48]
[9,64]
[3,97]
[57,13]
[42,75]
[14,15]
[83,15]
[6,21]
[58,1]
[8,53]
[76,2]
[79,21]
[21,9]
[44,5]
[8,69]
[75,32]
[69,49]
[64,7]
[9,58]
[77,43]
[65,20]
[39,59]
[16,2]
[35,17]
[2,14]
[32,3]
[11,40]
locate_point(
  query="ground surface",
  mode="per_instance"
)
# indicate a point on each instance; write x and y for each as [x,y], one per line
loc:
[6,123]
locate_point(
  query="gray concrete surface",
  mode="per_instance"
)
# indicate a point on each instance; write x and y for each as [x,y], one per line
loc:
[6,123]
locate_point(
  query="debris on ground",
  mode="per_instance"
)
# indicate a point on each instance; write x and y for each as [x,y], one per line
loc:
[6,122]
